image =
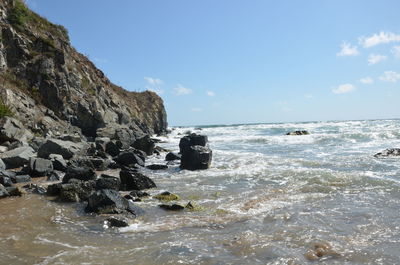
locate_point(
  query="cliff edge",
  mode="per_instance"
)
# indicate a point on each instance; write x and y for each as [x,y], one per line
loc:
[52,89]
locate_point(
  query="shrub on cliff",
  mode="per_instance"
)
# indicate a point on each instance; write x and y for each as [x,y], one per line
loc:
[5,110]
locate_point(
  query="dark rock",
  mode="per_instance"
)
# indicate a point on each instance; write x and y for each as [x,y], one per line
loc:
[128,158]
[101,143]
[112,148]
[39,167]
[110,202]
[54,176]
[81,173]
[117,221]
[139,194]
[5,180]
[58,162]
[65,148]
[21,179]
[196,157]
[71,138]
[36,143]
[54,189]
[94,163]
[173,207]
[145,144]
[131,180]
[191,140]
[34,188]
[172,156]
[157,167]
[298,133]
[17,157]
[388,153]
[108,182]
[3,192]
[76,191]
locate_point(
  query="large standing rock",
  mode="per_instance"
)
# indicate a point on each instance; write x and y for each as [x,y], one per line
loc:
[129,158]
[39,167]
[131,180]
[17,157]
[388,153]
[80,173]
[110,202]
[12,130]
[145,144]
[65,148]
[195,152]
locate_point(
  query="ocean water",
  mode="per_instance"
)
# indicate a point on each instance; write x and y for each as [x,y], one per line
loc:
[267,199]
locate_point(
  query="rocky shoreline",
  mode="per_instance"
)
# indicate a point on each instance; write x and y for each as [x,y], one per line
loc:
[68,169]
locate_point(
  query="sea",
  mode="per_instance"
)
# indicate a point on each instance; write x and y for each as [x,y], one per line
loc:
[267,198]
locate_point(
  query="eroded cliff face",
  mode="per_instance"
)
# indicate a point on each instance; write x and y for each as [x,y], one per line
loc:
[53,89]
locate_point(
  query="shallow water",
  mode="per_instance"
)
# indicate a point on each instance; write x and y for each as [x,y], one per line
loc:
[268,199]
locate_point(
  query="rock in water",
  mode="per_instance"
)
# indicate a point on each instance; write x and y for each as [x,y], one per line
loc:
[298,133]
[108,182]
[3,192]
[145,144]
[114,221]
[110,202]
[172,156]
[195,152]
[129,158]
[131,180]
[388,153]
[17,157]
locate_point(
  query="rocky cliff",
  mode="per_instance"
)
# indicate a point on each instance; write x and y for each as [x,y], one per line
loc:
[52,89]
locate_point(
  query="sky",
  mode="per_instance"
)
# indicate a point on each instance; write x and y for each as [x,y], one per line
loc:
[240,61]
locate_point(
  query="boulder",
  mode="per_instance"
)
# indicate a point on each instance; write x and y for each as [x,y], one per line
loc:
[58,162]
[95,163]
[76,191]
[191,140]
[80,173]
[166,196]
[36,143]
[21,179]
[17,157]
[298,133]
[101,143]
[111,202]
[196,157]
[12,130]
[65,148]
[108,182]
[131,180]
[5,178]
[112,148]
[172,156]
[389,153]
[55,176]
[139,194]
[157,167]
[2,165]
[39,167]
[145,144]
[15,191]
[129,158]
[3,192]
[34,188]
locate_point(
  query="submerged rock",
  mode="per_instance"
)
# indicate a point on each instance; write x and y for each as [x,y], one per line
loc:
[119,221]
[172,207]
[172,156]
[157,167]
[298,133]
[388,153]
[166,196]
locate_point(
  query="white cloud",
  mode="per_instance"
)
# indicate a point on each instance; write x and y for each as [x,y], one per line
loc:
[396,51]
[154,84]
[308,96]
[196,109]
[181,90]
[390,76]
[210,93]
[380,38]
[376,58]
[367,80]
[342,89]
[347,50]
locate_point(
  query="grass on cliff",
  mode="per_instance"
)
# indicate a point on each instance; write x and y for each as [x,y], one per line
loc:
[20,17]
[5,110]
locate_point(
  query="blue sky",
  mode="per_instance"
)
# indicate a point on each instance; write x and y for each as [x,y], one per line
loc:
[231,61]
